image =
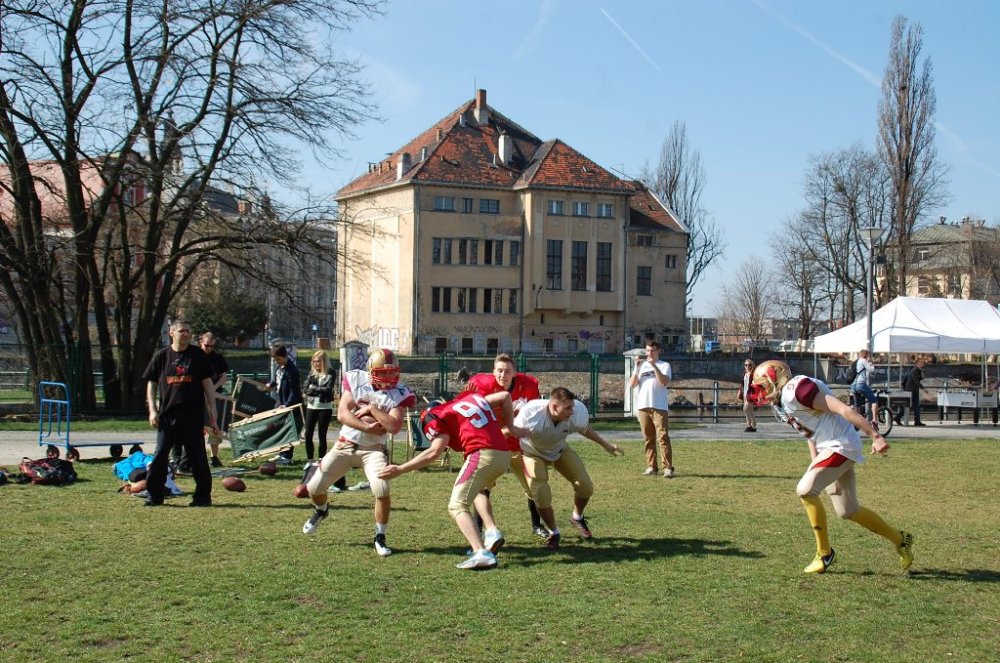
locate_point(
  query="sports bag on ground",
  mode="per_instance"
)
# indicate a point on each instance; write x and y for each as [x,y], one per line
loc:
[48,471]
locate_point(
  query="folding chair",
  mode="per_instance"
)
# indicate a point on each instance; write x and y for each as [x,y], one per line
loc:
[416,441]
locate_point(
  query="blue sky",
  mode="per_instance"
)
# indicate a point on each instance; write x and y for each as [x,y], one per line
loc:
[760,84]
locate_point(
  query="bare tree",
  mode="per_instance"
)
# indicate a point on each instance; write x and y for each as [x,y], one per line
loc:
[119,121]
[800,292]
[678,180]
[750,299]
[906,141]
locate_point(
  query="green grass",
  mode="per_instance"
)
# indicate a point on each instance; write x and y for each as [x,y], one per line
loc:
[704,567]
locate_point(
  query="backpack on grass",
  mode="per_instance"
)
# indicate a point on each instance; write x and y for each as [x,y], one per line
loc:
[48,471]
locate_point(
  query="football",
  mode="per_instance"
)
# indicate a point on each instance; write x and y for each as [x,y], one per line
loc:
[268,469]
[234,484]
[301,491]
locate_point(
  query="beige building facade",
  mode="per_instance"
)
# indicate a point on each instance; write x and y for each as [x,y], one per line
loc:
[477,238]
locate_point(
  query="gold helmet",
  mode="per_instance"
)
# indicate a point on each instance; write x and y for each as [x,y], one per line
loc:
[383,369]
[768,379]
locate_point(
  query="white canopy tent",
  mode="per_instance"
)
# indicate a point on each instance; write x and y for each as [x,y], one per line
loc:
[921,325]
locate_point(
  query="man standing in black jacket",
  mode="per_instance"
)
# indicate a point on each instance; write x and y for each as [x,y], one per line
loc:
[914,385]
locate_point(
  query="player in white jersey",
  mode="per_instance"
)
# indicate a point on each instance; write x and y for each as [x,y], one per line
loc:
[372,407]
[829,424]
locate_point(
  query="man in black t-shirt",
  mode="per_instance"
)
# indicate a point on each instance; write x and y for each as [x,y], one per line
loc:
[183,375]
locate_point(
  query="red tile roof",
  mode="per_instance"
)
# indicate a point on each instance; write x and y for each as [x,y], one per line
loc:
[646,211]
[460,151]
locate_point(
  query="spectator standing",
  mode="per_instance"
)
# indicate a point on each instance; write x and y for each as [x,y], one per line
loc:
[861,387]
[182,375]
[650,380]
[748,407]
[915,384]
[288,387]
[318,392]
[220,375]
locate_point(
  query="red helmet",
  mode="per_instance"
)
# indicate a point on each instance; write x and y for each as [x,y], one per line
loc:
[768,379]
[383,368]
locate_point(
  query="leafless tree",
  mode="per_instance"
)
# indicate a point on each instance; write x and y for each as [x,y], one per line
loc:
[906,142]
[800,291]
[749,299]
[165,104]
[679,180]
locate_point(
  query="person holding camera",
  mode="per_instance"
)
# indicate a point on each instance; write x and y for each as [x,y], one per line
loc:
[650,380]
[318,391]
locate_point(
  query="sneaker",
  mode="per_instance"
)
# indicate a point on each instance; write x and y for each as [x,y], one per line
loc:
[361,485]
[581,525]
[480,561]
[753,429]
[668,473]
[216,462]
[905,550]
[540,531]
[748,429]
[380,547]
[315,520]
[494,541]
[650,471]
[552,540]
[919,423]
[821,563]
[281,460]
[334,489]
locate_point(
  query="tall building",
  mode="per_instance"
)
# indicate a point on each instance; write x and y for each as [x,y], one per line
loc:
[479,237]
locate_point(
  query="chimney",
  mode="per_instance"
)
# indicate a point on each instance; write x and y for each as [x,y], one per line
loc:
[403,166]
[505,148]
[482,111]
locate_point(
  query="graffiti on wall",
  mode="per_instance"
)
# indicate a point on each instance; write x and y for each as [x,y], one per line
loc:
[383,337]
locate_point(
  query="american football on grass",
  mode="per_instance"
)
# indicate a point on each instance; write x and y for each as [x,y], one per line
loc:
[235,484]
[268,469]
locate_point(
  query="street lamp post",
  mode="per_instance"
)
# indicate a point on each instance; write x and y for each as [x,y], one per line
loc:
[870,235]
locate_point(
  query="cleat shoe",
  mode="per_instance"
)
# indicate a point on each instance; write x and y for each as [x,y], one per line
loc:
[552,541]
[494,541]
[905,550]
[216,462]
[540,531]
[668,473]
[361,485]
[581,525]
[281,460]
[380,547]
[650,471]
[315,520]
[480,561]
[821,563]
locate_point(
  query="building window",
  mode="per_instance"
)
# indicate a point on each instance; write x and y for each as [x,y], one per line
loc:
[578,266]
[605,210]
[487,300]
[444,203]
[604,267]
[463,251]
[572,345]
[547,344]
[671,261]
[488,252]
[435,300]
[512,302]
[954,285]
[515,253]
[466,345]
[461,300]
[492,346]
[601,323]
[446,300]
[447,251]
[644,240]
[644,281]
[473,251]
[556,207]
[472,299]
[498,252]
[553,264]
[489,206]
[923,285]
[581,209]
[436,251]
[467,205]
[498,300]
[440,345]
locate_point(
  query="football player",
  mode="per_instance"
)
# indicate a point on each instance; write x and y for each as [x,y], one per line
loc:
[809,406]
[372,407]
[470,425]
[522,388]
[547,423]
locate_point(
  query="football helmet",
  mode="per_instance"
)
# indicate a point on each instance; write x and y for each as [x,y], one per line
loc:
[383,368]
[768,379]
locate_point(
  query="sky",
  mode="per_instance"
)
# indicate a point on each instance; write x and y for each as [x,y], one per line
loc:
[761,85]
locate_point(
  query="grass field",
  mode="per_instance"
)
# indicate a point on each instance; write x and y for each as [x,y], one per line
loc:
[704,567]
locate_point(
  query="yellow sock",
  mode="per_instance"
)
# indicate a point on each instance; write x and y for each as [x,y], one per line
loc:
[871,520]
[817,518]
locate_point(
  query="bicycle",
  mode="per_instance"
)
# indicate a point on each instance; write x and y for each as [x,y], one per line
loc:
[886,416]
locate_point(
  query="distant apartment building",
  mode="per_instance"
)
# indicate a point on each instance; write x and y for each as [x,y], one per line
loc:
[958,260]
[478,237]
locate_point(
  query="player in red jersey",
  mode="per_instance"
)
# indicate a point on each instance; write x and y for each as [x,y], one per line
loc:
[468,424]
[522,388]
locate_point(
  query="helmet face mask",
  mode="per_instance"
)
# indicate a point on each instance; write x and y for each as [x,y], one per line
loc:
[383,369]
[768,380]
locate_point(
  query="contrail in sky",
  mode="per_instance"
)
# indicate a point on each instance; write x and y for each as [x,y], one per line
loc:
[633,42]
